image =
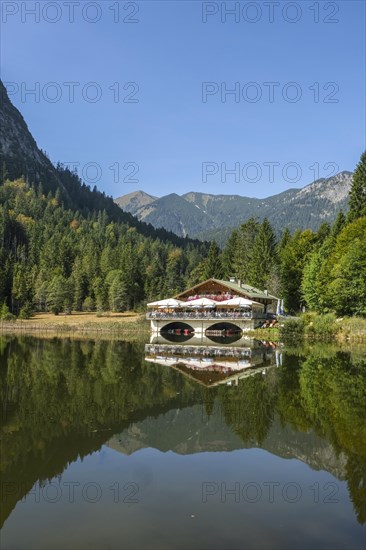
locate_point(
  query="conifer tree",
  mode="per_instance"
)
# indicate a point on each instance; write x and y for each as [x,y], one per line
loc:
[212,266]
[117,292]
[264,256]
[357,197]
[243,255]
[228,255]
[339,223]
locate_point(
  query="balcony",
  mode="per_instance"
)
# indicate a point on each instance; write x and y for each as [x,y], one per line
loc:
[204,315]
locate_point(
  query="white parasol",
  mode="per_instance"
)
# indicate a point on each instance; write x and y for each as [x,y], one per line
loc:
[201,302]
[168,302]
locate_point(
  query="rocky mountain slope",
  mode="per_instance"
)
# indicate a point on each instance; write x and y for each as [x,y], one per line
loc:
[20,156]
[19,153]
[204,216]
[184,432]
[133,201]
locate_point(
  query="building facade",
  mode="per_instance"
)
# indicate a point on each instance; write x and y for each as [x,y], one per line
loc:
[213,307]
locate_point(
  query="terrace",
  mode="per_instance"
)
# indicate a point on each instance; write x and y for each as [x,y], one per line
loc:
[211,306]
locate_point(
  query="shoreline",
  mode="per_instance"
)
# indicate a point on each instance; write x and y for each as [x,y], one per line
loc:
[113,325]
[78,323]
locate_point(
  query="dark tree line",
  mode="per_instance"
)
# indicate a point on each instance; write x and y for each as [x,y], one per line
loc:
[56,258]
[324,270]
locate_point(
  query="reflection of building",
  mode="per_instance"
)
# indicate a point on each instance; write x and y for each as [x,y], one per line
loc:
[211,365]
[213,307]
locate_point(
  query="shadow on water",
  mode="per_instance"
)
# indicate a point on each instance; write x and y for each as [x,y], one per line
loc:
[62,400]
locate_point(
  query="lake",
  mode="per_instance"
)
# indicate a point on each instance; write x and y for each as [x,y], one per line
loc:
[114,444]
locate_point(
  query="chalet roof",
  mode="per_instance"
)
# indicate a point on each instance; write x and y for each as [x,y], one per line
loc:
[242,290]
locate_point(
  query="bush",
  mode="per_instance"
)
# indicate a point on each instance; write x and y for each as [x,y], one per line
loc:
[9,317]
[352,326]
[102,313]
[4,310]
[292,329]
[308,317]
[88,304]
[26,311]
[324,326]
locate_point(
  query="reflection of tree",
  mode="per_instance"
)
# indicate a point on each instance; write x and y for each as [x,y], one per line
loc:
[62,399]
[248,408]
[289,403]
[326,392]
[208,396]
[356,479]
[333,392]
[334,395]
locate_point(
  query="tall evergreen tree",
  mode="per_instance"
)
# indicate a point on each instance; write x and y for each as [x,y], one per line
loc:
[357,197]
[117,294]
[339,223]
[229,254]
[243,255]
[263,257]
[212,266]
[59,295]
[285,237]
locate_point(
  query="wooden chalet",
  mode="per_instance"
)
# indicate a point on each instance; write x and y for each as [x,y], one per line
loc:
[213,308]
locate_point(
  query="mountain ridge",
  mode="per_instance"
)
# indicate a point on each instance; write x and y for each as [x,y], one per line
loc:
[203,214]
[20,157]
[213,435]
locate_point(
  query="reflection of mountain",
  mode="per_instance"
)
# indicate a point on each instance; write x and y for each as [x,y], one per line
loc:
[191,430]
[62,399]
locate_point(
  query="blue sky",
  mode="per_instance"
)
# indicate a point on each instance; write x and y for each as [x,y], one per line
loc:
[168,131]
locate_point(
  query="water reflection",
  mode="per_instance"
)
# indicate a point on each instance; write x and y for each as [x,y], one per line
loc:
[210,364]
[64,399]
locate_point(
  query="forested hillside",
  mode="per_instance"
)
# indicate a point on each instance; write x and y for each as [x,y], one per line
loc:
[57,259]
[21,157]
[324,271]
[66,247]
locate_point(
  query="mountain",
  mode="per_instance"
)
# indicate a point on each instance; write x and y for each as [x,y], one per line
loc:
[208,216]
[19,153]
[133,201]
[176,213]
[20,156]
[190,430]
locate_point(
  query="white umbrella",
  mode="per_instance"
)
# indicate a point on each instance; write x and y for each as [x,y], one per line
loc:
[201,302]
[168,302]
[238,302]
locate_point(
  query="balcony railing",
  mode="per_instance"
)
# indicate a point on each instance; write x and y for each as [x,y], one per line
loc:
[205,315]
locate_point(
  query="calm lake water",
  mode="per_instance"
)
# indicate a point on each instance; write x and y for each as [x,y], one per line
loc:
[113,444]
